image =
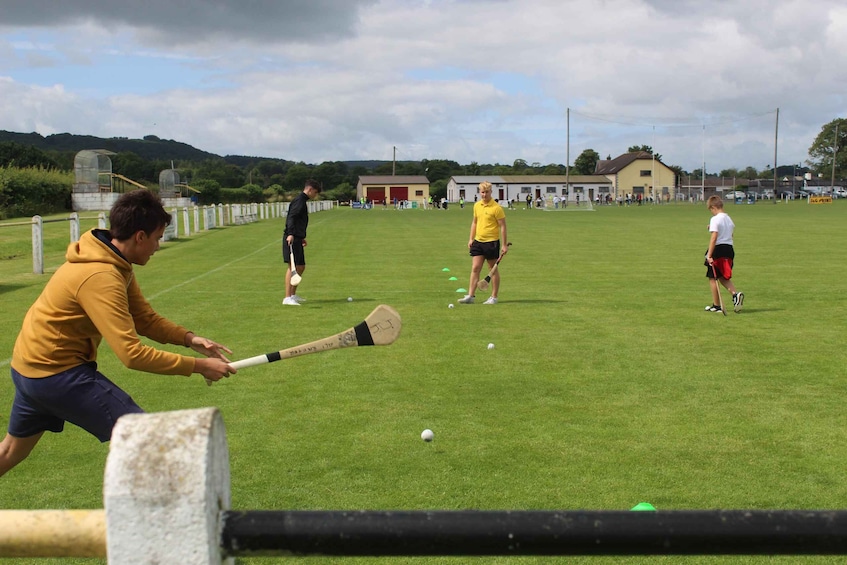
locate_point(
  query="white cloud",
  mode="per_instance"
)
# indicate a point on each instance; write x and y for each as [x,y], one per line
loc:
[485,81]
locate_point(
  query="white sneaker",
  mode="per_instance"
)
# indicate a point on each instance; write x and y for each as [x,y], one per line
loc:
[468,299]
[491,300]
[298,299]
[289,301]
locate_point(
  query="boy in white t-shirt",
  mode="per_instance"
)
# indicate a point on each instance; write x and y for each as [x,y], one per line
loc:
[720,255]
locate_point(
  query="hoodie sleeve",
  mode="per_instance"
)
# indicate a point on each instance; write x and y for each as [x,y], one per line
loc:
[120,313]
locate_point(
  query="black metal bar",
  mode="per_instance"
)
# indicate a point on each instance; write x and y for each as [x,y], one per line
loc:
[673,532]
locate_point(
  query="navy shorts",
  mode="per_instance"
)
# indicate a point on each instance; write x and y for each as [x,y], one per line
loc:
[488,249]
[82,396]
[297,247]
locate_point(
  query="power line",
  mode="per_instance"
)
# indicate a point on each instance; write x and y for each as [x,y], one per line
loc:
[686,122]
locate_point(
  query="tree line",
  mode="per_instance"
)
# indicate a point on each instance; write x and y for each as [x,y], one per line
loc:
[243,178]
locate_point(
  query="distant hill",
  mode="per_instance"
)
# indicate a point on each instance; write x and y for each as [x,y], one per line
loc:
[150,148]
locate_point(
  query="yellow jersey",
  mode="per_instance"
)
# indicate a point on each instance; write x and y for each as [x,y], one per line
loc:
[487,220]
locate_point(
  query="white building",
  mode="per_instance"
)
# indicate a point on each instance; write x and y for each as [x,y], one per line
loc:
[518,187]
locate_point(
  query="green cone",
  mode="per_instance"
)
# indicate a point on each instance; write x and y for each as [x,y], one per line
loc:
[454,278]
[643,507]
[446,270]
[461,290]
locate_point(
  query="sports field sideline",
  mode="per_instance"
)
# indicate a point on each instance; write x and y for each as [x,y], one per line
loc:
[608,384]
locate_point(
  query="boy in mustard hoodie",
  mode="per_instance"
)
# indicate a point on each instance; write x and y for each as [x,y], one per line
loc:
[94,296]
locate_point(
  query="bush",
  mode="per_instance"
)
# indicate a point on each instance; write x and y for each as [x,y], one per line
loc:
[210,191]
[254,192]
[34,190]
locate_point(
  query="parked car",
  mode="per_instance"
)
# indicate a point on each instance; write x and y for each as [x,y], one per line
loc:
[841,192]
[734,195]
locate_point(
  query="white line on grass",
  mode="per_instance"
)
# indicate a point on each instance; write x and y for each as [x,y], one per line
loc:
[215,270]
[5,362]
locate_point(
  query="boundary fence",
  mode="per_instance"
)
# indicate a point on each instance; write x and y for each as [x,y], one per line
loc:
[167,498]
[213,216]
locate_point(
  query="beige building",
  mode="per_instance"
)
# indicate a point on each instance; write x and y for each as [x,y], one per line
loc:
[639,173]
[388,187]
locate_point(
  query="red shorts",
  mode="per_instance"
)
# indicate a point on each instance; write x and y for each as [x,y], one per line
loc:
[723,267]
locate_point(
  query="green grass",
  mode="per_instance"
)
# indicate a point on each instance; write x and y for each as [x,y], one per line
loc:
[608,385]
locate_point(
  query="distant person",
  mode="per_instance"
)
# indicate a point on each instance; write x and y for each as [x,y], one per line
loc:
[294,238]
[720,256]
[528,201]
[93,296]
[488,241]
[462,202]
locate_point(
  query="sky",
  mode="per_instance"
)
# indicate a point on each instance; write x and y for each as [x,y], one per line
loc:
[486,81]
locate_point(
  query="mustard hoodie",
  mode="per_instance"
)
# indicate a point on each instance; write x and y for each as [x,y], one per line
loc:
[94,295]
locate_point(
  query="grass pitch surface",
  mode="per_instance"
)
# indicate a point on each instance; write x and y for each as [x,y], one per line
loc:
[608,386]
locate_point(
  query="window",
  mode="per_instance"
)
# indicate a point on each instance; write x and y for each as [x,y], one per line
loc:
[646,173]
[526,190]
[551,190]
[419,193]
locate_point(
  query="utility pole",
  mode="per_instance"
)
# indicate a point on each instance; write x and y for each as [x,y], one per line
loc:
[568,157]
[394,161]
[775,140]
[834,153]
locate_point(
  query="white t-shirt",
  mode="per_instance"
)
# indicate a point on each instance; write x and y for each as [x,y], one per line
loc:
[722,223]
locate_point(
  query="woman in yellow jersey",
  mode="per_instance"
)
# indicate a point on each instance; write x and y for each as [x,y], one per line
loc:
[488,241]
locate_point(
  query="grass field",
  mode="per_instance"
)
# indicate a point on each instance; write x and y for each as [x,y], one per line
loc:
[609,385]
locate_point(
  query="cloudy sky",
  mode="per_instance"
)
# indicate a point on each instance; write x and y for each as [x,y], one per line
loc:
[469,80]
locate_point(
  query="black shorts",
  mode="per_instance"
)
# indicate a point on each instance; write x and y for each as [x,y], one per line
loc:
[299,253]
[488,249]
[81,396]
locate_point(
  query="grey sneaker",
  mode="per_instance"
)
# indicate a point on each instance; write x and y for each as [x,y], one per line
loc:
[738,300]
[468,299]
[491,300]
[289,301]
[298,299]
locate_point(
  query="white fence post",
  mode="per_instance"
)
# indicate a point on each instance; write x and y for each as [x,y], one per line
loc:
[37,246]
[186,229]
[74,221]
[196,219]
[165,486]
[101,220]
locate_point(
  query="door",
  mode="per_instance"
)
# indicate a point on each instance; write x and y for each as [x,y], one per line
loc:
[398,192]
[376,195]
